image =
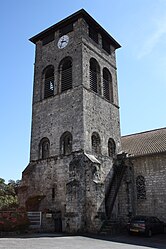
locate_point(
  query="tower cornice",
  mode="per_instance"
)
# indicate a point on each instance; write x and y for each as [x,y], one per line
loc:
[72,18]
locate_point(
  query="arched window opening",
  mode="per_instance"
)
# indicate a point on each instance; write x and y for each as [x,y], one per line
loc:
[95,139]
[44,148]
[66,74]
[141,188]
[107,85]
[111,147]
[49,82]
[94,76]
[66,143]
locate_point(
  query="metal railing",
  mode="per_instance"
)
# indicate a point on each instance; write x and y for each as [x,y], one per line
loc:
[35,219]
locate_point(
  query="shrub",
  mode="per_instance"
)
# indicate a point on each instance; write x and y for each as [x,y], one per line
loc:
[13,221]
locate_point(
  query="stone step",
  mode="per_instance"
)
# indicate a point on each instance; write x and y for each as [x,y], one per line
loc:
[111,226]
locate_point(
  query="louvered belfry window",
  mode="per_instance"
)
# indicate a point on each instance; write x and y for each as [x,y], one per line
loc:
[94,76]
[107,85]
[49,82]
[66,75]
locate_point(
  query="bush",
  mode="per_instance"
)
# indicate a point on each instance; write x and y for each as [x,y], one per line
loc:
[13,221]
[8,195]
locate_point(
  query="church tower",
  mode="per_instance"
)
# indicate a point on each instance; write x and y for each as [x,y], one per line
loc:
[75,132]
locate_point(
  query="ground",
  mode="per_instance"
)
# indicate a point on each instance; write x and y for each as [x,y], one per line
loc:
[52,241]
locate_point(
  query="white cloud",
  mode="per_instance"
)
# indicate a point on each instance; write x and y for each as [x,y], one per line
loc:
[154,38]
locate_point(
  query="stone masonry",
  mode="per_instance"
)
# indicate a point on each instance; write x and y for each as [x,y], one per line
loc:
[79,175]
[72,184]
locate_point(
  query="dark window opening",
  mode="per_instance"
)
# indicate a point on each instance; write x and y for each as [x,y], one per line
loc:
[106,45]
[93,34]
[94,76]
[49,82]
[96,143]
[53,193]
[66,143]
[44,148]
[66,75]
[68,28]
[111,147]
[141,188]
[48,39]
[107,85]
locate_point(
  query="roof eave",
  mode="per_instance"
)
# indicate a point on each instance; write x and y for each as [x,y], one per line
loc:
[72,18]
[132,156]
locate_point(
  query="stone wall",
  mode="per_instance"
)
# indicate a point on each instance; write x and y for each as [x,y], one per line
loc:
[85,194]
[153,169]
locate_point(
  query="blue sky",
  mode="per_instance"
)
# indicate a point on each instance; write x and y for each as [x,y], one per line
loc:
[139,26]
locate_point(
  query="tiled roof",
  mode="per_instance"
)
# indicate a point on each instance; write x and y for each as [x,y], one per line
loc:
[145,143]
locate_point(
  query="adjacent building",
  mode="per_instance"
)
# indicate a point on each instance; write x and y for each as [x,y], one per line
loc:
[147,152]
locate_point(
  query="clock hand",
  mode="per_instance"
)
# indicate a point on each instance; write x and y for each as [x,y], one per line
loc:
[63,41]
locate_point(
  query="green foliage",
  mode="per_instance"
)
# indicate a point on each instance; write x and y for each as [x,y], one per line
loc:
[11,218]
[8,195]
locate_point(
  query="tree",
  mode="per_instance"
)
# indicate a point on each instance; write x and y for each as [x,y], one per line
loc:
[8,195]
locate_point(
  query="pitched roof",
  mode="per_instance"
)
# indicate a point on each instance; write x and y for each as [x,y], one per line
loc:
[145,143]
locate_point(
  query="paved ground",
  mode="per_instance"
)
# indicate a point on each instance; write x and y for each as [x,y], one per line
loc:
[50,241]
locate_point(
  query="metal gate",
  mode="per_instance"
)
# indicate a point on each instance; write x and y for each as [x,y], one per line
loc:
[35,219]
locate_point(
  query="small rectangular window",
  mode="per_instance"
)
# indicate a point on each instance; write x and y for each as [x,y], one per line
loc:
[53,193]
[106,45]
[68,28]
[48,39]
[93,34]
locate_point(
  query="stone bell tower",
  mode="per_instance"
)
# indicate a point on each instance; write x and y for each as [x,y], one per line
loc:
[75,123]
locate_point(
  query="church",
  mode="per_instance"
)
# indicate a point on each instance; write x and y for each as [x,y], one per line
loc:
[82,174]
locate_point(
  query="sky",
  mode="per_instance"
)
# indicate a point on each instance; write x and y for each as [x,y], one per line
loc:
[139,26]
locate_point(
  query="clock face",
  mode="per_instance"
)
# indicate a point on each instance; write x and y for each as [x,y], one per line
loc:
[63,41]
